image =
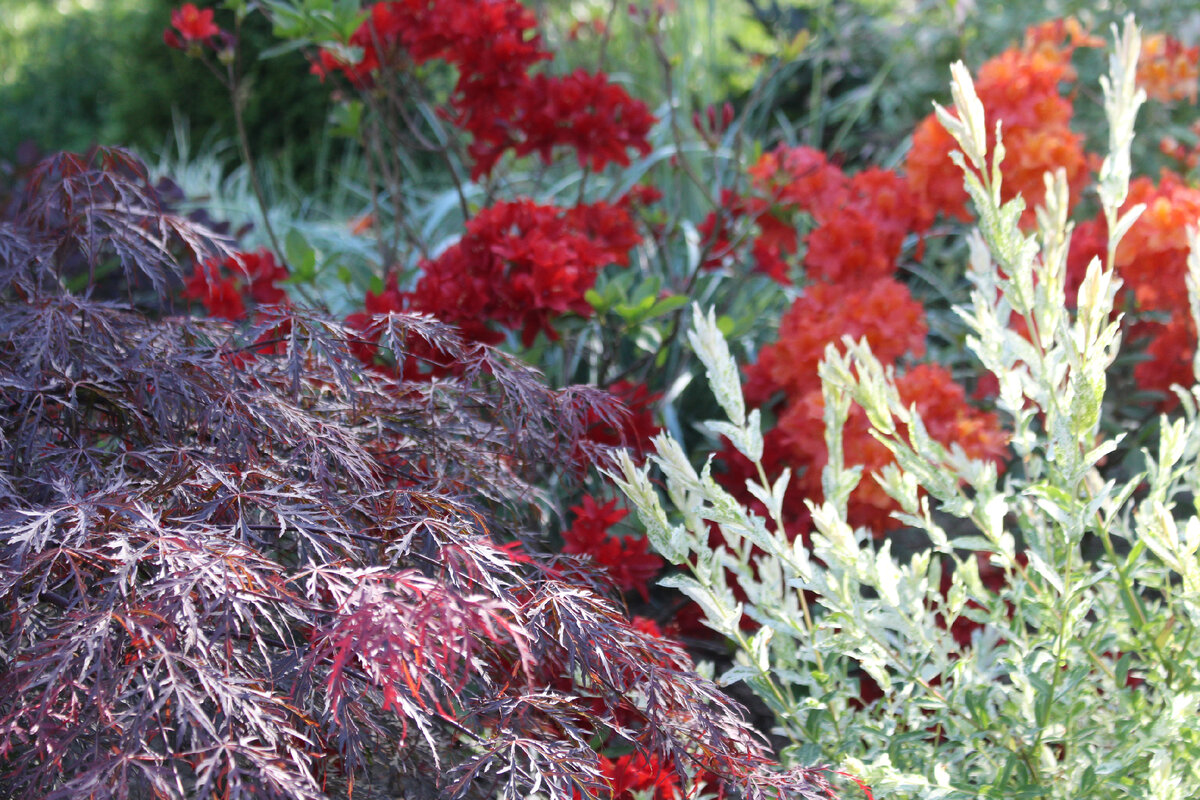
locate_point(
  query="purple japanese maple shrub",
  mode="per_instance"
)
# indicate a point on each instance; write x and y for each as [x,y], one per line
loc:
[235,564]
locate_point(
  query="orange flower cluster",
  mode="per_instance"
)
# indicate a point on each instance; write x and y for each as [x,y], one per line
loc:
[860,224]
[1020,88]
[1152,262]
[882,311]
[1167,70]
[943,407]
[1152,258]
[860,221]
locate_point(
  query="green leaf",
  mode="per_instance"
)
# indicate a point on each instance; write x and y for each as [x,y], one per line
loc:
[1122,671]
[301,257]
[345,119]
[596,300]
[666,305]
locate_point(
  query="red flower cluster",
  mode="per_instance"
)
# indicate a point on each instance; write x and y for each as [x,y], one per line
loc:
[883,311]
[627,559]
[192,27]
[635,773]
[1020,88]
[584,111]
[637,429]
[520,264]
[223,287]
[493,45]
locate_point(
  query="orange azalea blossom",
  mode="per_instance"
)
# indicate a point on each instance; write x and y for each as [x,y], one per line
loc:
[861,220]
[861,240]
[948,418]
[1152,261]
[1167,70]
[1030,151]
[1152,258]
[1050,35]
[883,311]
[799,177]
[893,323]
[1020,88]
[939,186]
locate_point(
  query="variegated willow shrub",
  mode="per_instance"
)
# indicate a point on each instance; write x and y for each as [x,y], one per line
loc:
[1041,642]
[234,564]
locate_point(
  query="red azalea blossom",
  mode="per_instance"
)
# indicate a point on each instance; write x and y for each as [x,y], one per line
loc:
[193,25]
[800,177]
[627,559]
[583,111]
[263,274]
[643,194]
[521,264]
[636,773]
[220,296]
[637,428]
[717,229]
[223,287]
[493,46]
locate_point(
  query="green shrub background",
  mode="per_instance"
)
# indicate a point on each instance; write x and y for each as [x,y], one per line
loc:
[79,72]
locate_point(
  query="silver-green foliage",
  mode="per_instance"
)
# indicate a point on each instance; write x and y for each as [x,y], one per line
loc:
[1101,579]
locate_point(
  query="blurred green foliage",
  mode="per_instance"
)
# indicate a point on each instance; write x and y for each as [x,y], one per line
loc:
[78,72]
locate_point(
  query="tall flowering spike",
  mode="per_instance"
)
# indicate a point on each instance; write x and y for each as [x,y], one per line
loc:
[968,127]
[1122,99]
[710,346]
[1193,286]
[1054,232]
[634,483]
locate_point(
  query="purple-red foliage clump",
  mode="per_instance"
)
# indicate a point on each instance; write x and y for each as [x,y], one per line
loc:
[235,564]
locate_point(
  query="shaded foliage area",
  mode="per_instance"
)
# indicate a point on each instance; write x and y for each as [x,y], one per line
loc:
[121,85]
[234,563]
